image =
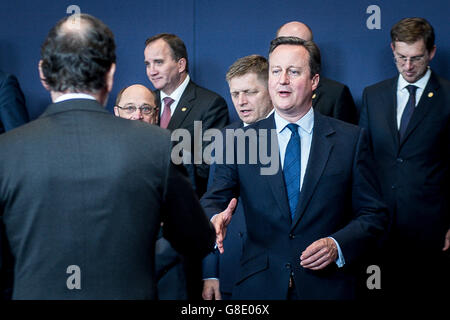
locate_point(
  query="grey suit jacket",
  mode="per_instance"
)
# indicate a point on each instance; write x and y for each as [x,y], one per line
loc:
[80,187]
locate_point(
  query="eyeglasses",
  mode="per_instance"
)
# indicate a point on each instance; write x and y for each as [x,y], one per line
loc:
[144,109]
[414,60]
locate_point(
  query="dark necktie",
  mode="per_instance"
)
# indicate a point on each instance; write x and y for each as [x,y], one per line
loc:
[291,168]
[165,117]
[409,110]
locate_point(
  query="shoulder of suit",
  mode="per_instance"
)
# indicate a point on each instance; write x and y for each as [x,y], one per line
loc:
[382,85]
[338,125]
[328,83]
[442,81]
[205,93]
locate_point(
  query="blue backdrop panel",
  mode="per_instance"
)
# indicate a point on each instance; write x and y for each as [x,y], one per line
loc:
[217,33]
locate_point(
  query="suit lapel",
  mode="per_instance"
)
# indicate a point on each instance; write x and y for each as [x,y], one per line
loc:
[275,181]
[390,103]
[321,147]
[183,108]
[426,102]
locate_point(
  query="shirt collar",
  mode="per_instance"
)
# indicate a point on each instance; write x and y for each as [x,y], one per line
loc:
[306,122]
[73,95]
[421,83]
[176,95]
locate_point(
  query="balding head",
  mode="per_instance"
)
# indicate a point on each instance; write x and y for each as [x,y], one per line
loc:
[78,56]
[137,96]
[295,29]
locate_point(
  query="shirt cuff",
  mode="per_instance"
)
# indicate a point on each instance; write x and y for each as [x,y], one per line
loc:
[340,261]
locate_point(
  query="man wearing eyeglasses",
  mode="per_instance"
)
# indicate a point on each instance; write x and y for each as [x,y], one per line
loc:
[408,122]
[136,102]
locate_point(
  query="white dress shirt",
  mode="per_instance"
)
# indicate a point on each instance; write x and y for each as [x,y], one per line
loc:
[176,96]
[69,96]
[305,130]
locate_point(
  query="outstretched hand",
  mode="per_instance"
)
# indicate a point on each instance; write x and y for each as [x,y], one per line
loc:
[221,221]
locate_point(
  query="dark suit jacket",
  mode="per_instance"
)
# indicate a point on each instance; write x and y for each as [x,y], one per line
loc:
[79,186]
[339,198]
[334,99]
[414,173]
[225,266]
[198,104]
[12,103]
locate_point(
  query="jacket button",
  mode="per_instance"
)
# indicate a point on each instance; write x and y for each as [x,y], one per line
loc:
[287,265]
[400,160]
[291,236]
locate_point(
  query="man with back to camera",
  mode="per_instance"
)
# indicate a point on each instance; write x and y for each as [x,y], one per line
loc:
[82,210]
[408,123]
[310,222]
[331,98]
[247,80]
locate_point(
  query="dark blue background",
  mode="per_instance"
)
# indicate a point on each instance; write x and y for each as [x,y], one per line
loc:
[217,32]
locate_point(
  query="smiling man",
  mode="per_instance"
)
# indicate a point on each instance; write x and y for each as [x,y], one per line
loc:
[408,121]
[309,223]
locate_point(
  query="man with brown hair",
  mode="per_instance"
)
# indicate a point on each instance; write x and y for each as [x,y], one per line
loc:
[81,200]
[408,122]
[247,78]
[331,98]
[310,221]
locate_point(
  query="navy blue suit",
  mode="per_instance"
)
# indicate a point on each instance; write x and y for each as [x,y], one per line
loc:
[225,266]
[12,103]
[415,181]
[339,198]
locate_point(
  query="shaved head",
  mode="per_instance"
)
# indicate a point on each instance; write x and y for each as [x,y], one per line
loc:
[295,29]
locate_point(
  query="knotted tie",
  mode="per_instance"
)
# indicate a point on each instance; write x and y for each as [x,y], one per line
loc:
[409,110]
[165,117]
[291,168]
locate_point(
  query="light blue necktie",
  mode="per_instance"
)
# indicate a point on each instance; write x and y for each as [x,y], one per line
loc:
[291,168]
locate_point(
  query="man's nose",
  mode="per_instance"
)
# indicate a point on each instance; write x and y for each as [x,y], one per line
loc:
[284,77]
[152,69]
[137,115]
[408,64]
[242,99]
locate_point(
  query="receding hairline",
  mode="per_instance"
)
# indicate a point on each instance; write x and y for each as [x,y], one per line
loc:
[134,86]
[296,24]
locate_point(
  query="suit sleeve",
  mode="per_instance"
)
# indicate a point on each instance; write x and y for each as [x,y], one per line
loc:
[345,108]
[211,265]
[369,216]
[185,225]
[12,104]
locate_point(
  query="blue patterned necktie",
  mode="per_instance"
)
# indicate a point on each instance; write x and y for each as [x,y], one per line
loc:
[291,168]
[409,110]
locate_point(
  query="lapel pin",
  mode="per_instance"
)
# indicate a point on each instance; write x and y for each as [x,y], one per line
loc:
[430,94]
[314,96]
[183,109]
